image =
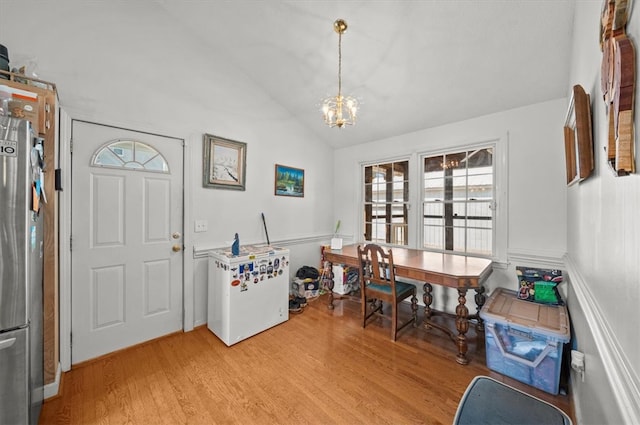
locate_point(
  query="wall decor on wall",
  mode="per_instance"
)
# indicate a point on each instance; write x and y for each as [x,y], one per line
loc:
[578,139]
[618,85]
[224,163]
[289,181]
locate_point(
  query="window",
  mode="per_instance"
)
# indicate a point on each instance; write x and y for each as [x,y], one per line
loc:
[458,202]
[130,155]
[386,197]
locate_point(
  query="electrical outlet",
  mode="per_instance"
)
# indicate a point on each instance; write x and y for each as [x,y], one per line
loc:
[577,362]
[200,226]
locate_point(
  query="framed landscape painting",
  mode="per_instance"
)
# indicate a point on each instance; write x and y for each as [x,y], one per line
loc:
[289,181]
[224,163]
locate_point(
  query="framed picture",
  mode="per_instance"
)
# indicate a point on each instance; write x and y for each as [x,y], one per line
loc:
[578,143]
[224,163]
[289,181]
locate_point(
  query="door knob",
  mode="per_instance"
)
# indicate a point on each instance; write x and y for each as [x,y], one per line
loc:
[177,248]
[176,235]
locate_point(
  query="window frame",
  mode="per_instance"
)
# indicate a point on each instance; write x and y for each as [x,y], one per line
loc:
[111,147]
[498,205]
[362,210]
[449,208]
[416,189]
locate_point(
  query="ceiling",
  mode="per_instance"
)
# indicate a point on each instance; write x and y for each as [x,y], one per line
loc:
[412,64]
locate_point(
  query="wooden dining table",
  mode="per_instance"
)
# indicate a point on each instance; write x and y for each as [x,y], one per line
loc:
[456,271]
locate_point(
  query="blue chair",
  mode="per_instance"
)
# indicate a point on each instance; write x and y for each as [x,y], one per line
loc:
[378,284]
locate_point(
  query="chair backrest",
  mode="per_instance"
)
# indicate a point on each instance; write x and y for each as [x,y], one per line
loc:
[376,267]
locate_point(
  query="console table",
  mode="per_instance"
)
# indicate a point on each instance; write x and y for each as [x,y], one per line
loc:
[454,271]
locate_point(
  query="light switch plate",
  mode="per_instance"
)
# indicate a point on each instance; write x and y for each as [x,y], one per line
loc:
[200,226]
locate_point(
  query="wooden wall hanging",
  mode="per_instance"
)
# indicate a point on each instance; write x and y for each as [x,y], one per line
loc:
[618,85]
[578,140]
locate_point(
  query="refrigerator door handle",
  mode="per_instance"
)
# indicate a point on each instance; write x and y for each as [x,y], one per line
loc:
[7,343]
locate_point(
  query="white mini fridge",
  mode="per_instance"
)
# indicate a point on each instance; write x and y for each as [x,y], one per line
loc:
[248,293]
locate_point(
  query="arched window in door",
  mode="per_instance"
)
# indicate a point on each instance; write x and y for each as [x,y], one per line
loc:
[131,155]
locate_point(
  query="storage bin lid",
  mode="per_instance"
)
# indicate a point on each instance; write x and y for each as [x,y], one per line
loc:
[503,306]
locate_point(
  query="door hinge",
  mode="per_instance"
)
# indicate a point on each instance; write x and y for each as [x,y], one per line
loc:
[71,145]
[70,243]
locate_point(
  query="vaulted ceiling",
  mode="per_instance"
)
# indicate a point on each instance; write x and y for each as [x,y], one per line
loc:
[411,64]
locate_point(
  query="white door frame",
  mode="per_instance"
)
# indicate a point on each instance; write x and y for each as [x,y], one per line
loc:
[64,320]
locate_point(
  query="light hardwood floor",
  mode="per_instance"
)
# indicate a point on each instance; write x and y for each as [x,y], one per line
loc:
[320,367]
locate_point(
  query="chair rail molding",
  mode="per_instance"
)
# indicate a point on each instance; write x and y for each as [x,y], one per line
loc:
[624,383]
[201,251]
[546,259]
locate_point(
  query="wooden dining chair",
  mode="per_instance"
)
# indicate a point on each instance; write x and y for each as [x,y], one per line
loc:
[378,284]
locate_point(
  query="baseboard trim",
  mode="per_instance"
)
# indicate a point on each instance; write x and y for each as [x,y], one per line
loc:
[51,389]
[624,383]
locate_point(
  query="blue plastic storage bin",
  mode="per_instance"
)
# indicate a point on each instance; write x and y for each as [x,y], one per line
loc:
[524,340]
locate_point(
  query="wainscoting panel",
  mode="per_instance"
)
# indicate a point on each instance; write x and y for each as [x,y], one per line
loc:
[603,356]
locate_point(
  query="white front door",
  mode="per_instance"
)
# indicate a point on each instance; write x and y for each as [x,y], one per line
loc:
[126,238]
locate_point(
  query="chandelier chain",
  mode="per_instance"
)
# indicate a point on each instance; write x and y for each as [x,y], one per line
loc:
[339,111]
[339,64]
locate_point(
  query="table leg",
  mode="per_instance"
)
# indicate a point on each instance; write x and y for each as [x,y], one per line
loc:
[414,310]
[427,297]
[462,325]
[480,299]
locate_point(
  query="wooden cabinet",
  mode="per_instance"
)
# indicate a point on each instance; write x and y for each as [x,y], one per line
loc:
[46,125]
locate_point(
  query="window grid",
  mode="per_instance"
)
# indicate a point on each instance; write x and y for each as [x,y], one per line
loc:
[458,200]
[131,155]
[386,189]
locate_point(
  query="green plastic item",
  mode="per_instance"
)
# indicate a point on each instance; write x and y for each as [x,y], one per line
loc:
[545,292]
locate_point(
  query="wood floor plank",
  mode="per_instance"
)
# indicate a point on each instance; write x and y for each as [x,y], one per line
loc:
[320,367]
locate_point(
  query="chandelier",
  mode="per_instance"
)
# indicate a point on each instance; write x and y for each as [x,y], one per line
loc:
[339,110]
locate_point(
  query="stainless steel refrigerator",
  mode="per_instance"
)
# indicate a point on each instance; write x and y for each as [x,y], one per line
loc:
[21,248]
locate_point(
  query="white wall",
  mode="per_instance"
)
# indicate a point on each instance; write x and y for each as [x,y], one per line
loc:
[122,64]
[115,63]
[603,245]
[536,177]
